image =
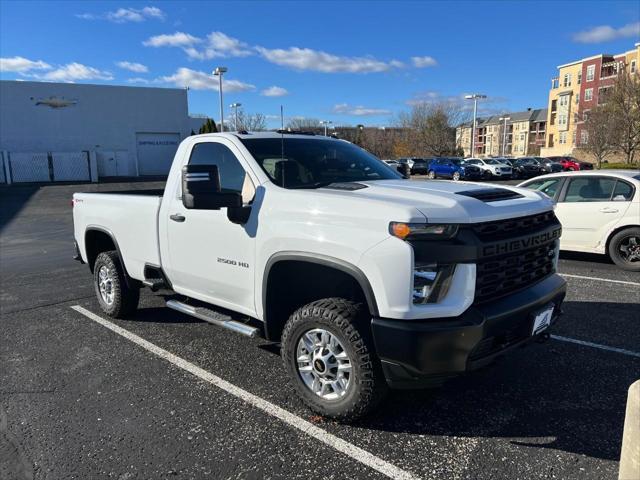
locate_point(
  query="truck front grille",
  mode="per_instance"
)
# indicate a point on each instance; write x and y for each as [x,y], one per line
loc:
[502,229]
[505,274]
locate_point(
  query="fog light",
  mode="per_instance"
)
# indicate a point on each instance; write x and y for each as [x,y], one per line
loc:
[431,282]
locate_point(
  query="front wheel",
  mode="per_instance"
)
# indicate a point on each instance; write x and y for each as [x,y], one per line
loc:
[329,355]
[116,297]
[624,249]
[487,175]
[456,176]
[431,174]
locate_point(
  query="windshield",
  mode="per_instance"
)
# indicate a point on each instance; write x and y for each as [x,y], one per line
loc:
[493,162]
[456,161]
[315,163]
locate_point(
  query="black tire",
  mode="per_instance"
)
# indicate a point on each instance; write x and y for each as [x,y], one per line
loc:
[125,297]
[350,324]
[487,175]
[619,243]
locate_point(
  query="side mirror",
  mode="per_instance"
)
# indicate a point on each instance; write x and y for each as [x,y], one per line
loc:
[201,189]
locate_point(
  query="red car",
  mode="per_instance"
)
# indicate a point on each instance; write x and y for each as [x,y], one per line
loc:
[570,163]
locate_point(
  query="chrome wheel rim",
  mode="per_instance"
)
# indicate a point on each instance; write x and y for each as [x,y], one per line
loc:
[105,285]
[431,175]
[629,248]
[323,364]
[456,177]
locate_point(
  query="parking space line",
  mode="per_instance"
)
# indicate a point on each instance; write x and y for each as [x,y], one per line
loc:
[596,345]
[352,451]
[623,282]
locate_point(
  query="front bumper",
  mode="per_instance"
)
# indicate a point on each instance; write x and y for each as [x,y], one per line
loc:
[418,353]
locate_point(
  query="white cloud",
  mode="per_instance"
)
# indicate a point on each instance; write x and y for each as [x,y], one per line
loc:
[178,39]
[74,71]
[423,62]
[606,33]
[274,92]
[21,64]
[123,15]
[137,80]
[216,45]
[196,80]
[318,61]
[359,110]
[133,67]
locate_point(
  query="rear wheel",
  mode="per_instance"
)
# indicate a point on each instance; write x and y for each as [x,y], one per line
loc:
[116,298]
[486,175]
[328,352]
[624,249]
[431,174]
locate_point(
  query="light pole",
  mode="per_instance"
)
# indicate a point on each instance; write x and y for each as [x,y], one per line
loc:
[235,107]
[475,97]
[504,135]
[219,71]
[325,123]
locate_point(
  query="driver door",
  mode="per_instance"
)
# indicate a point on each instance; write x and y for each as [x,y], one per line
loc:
[211,258]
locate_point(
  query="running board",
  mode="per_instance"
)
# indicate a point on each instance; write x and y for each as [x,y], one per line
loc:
[213,317]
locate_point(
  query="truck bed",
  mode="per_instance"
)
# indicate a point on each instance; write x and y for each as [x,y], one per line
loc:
[131,217]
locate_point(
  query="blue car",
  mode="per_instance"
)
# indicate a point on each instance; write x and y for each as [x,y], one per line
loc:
[454,168]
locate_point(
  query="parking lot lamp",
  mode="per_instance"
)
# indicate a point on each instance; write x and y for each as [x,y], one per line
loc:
[235,107]
[504,134]
[325,123]
[475,97]
[219,71]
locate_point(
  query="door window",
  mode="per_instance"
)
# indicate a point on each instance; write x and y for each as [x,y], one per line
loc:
[590,189]
[548,186]
[623,192]
[233,178]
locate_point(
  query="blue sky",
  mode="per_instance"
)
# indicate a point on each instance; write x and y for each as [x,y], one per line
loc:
[349,62]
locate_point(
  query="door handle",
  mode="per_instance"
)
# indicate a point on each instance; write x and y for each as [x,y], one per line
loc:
[609,210]
[176,217]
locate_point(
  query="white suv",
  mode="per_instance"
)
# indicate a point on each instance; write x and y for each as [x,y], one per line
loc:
[491,167]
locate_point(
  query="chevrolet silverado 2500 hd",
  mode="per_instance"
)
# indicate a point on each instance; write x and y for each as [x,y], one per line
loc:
[366,279]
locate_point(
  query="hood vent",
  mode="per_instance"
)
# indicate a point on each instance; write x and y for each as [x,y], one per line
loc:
[348,186]
[491,194]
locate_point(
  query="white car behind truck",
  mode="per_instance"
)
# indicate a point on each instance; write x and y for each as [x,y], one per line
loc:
[367,280]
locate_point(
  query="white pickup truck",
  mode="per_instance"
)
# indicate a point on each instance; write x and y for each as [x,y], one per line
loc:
[367,279]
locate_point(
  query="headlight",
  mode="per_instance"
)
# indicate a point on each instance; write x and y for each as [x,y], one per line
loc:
[431,282]
[422,231]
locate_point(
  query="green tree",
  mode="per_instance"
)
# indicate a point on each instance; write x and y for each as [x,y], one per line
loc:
[208,127]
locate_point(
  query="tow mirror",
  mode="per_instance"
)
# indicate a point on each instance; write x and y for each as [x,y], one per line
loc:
[201,189]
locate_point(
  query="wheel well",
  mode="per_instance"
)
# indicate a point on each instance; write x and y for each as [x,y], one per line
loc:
[613,232]
[96,242]
[294,283]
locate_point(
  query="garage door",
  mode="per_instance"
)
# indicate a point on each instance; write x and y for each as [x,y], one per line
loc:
[156,151]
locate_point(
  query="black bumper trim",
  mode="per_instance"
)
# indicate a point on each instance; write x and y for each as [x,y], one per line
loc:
[416,353]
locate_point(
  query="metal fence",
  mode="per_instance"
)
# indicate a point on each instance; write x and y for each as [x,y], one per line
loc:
[48,167]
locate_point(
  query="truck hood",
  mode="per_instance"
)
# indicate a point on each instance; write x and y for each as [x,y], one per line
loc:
[452,202]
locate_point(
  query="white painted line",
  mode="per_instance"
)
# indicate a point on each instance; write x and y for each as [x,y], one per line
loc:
[596,345]
[356,453]
[623,282]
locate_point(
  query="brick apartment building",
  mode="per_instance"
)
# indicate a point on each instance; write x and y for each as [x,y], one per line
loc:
[579,87]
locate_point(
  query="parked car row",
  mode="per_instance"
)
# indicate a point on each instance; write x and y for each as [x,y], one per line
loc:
[457,168]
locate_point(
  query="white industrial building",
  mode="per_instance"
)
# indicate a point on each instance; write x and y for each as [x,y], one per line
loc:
[68,132]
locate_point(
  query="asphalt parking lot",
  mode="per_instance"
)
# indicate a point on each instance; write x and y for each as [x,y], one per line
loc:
[78,400]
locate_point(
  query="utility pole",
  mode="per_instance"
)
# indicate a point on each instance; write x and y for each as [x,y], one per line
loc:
[325,123]
[475,97]
[219,71]
[504,135]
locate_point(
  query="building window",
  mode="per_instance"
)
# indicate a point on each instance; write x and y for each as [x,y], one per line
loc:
[588,94]
[564,100]
[579,78]
[554,83]
[602,95]
[585,115]
[633,66]
[584,137]
[562,119]
[566,82]
[522,137]
[591,72]
[577,98]
[562,138]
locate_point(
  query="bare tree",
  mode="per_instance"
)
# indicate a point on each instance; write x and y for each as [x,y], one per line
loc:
[255,122]
[622,102]
[304,123]
[600,130]
[431,128]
